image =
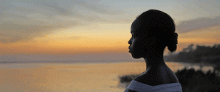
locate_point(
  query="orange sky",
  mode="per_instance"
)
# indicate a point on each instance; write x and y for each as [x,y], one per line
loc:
[114,41]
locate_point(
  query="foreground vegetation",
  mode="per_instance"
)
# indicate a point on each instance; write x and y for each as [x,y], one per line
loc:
[190,79]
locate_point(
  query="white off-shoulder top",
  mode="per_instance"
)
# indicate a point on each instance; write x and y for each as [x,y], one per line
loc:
[141,87]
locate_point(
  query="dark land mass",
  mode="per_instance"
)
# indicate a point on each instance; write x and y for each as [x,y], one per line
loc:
[197,54]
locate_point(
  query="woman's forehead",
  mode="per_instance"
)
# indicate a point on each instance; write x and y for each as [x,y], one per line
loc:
[135,24]
[136,27]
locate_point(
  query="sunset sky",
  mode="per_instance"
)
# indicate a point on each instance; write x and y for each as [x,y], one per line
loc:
[35,30]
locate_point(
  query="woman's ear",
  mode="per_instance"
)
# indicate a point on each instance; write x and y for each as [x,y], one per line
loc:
[150,41]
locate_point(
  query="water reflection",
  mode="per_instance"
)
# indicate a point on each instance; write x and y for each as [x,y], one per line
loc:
[72,77]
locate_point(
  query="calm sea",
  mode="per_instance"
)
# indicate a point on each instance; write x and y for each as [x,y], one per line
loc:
[72,77]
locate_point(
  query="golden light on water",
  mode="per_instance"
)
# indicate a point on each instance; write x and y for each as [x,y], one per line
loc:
[70,77]
[67,77]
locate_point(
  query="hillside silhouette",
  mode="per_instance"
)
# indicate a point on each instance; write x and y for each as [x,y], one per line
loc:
[197,54]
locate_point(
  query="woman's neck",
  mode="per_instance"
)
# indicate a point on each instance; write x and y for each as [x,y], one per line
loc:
[154,59]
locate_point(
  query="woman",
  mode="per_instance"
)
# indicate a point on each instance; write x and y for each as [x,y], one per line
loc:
[151,32]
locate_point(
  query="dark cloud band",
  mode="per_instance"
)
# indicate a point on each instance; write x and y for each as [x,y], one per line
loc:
[23,20]
[196,24]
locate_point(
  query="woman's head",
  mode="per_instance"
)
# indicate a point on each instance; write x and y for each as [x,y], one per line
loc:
[152,29]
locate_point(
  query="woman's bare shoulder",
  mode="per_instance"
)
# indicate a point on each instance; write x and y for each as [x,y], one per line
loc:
[157,76]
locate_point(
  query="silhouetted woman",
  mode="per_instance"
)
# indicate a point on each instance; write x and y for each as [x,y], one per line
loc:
[151,32]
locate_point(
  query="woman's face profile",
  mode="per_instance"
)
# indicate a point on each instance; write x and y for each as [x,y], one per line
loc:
[139,41]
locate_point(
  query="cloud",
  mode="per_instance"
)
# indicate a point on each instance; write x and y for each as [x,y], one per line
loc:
[196,24]
[23,20]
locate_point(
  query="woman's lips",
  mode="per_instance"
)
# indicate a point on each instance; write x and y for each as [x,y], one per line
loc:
[129,49]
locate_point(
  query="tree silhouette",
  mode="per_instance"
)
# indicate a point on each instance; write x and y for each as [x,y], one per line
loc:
[205,54]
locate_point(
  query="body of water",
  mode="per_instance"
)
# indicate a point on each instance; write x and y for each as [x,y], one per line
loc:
[71,77]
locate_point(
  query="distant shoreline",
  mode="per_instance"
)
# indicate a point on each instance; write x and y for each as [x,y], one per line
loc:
[72,62]
[112,61]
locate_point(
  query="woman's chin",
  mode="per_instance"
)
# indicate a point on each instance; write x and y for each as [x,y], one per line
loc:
[135,56]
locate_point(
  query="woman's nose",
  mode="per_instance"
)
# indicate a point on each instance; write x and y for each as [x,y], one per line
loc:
[129,42]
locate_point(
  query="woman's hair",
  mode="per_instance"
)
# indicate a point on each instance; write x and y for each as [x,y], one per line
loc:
[161,25]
